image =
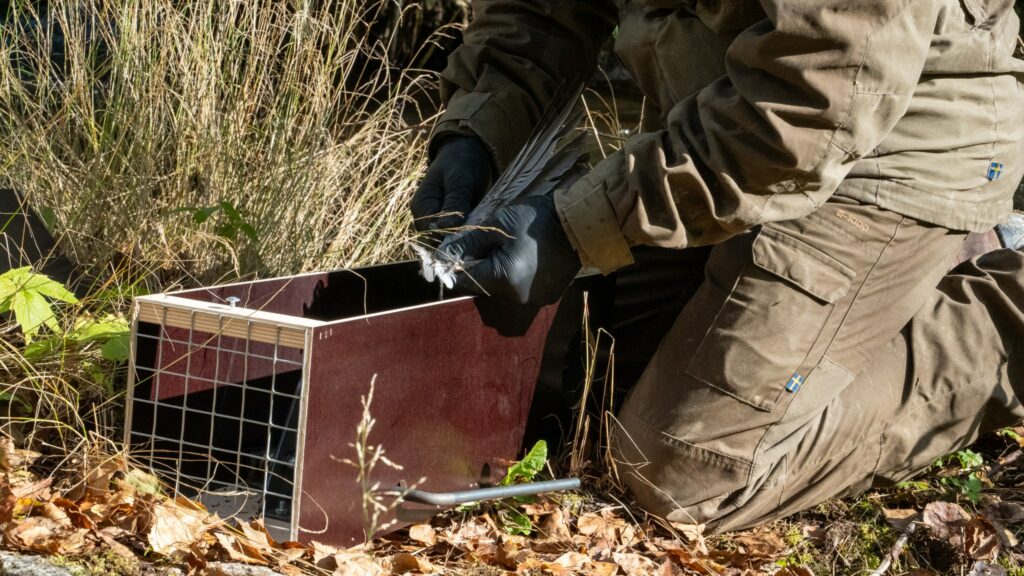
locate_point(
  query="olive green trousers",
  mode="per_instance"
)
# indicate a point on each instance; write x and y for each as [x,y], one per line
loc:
[821,356]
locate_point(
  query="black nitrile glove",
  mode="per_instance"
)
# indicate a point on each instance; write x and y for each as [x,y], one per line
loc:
[456,180]
[523,254]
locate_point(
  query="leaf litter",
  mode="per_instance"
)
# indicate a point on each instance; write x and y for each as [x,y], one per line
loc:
[123,511]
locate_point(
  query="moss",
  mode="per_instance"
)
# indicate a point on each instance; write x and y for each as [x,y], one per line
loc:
[105,563]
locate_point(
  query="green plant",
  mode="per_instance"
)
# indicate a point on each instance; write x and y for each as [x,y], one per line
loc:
[28,295]
[967,483]
[228,221]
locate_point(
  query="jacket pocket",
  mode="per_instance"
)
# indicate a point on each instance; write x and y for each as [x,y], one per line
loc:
[775,313]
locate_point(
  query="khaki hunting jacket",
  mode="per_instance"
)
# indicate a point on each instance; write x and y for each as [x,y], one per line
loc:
[767,109]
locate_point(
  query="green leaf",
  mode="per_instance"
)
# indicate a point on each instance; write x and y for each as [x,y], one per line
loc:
[515,522]
[49,218]
[969,459]
[117,349]
[249,231]
[203,214]
[32,312]
[527,468]
[10,397]
[45,347]
[231,212]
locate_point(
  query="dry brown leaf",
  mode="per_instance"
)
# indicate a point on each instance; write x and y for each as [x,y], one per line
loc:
[7,501]
[470,534]
[946,520]
[256,533]
[1006,513]
[983,568]
[174,528]
[689,531]
[74,513]
[600,568]
[554,532]
[237,552]
[634,564]
[667,568]
[695,563]
[109,536]
[900,518]
[352,562]
[15,458]
[981,541]
[572,560]
[541,508]
[38,490]
[423,533]
[42,534]
[533,565]
[405,563]
[767,545]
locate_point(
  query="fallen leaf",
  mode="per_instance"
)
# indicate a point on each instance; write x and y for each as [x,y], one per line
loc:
[554,532]
[423,533]
[946,520]
[900,518]
[634,564]
[74,513]
[698,564]
[39,490]
[7,501]
[766,545]
[600,568]
[238,552]
[174,529]
[983,568]
[405,563]
[99,478]
[16,458]
[352,562]
[981,541]
[1006,513]
[572,560]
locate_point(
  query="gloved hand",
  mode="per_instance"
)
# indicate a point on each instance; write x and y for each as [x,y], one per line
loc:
[522,255]
[456,180]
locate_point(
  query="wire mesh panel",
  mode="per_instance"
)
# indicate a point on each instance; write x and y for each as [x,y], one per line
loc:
[216,416]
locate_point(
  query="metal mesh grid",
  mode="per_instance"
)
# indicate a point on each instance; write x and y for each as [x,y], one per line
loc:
[217,417]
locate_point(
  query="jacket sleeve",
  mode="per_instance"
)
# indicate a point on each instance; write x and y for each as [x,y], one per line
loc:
[808,91]
[516,54]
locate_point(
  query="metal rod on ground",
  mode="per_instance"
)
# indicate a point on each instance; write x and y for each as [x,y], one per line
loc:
[481,494]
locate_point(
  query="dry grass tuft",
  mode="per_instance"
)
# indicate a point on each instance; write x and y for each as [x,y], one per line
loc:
[209,139]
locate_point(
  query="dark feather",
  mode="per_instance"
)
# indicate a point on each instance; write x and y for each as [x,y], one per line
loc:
[553,157]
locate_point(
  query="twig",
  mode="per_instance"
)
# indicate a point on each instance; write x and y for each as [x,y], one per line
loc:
[1003,462]
[895,551]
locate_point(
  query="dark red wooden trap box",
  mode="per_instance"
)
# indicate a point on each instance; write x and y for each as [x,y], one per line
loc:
[247,396]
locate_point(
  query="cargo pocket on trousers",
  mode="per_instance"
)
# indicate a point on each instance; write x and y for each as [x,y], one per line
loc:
[761,336]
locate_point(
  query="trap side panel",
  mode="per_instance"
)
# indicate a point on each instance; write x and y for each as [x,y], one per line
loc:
[453,389]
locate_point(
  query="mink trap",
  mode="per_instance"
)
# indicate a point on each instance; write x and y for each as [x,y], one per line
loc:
[247,396]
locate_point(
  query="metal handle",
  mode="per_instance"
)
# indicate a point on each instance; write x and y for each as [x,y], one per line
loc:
[481,494]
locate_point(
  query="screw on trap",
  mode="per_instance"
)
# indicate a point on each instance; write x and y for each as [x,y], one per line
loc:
[247,396]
